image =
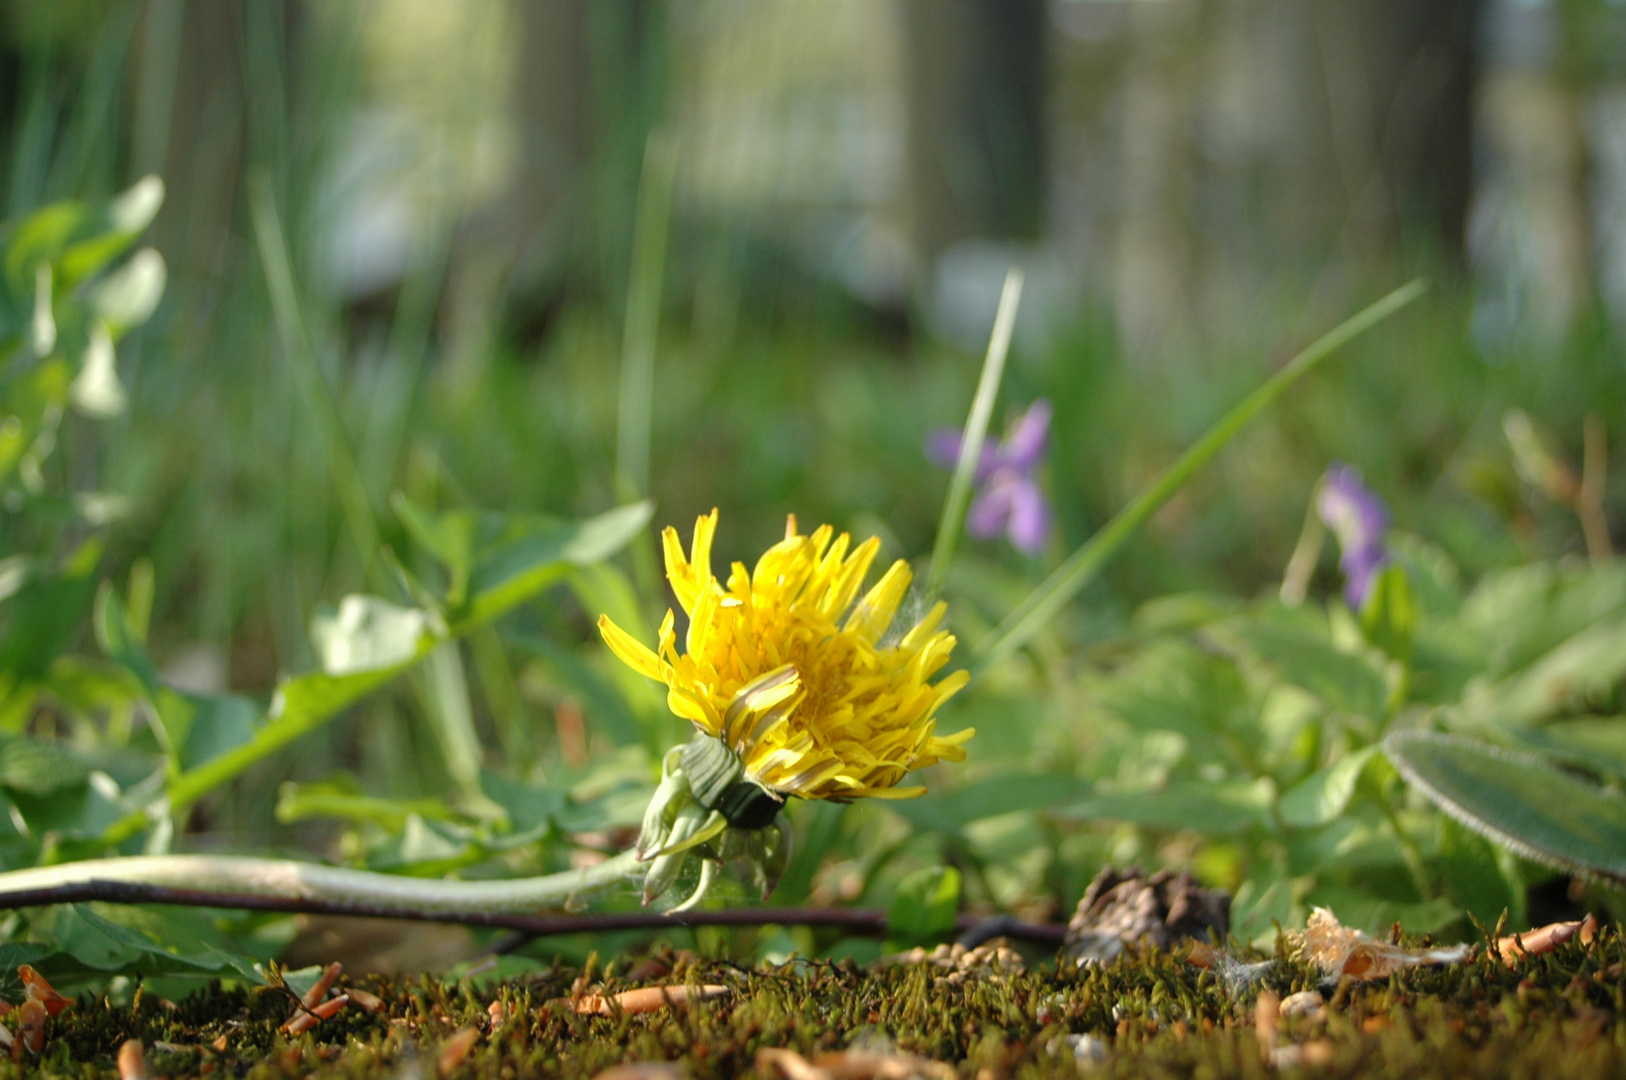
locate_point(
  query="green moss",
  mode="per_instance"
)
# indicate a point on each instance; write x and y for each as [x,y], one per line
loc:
[1559,1015]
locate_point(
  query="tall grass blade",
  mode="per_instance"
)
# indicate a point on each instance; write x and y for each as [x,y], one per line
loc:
[1082,566]
[976,432]
[637,392]
[313,389]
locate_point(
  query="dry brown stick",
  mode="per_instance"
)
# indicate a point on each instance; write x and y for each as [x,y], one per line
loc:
[854,920]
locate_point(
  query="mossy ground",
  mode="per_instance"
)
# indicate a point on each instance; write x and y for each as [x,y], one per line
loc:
[1558,1015]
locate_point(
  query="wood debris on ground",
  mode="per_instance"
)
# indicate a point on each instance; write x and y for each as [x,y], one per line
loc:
[455,1049]
[314,1004]
[132,1060]
[1515,947]
[851,1065]
[643,1070]
[642,1000]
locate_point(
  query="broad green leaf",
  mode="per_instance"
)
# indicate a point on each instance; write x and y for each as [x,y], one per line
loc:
[1586,666]
[367,634]
[924,907]
[1471,874]
[1346,682]
[1518,800]
[534,553]
[127,297]
[82,946]
[30,766]
[448,536]
[1523,613]
[951,811]
[1596,744]
[1215,809]
[79,239]
[1323,795]
[1184,612]
[1375,914]
[1263,905]
[1175,686]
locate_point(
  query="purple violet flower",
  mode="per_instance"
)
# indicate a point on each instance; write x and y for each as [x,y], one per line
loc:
[1008,498]
[1358,518]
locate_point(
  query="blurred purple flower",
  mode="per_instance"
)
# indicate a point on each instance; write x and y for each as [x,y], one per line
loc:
[1358,519]
[1008,498]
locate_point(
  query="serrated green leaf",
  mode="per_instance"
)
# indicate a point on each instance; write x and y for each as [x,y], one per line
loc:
[1517,799]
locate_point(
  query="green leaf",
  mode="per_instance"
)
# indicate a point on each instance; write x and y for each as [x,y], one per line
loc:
[341,798]
[924,907]
[81,946]
[77,238]
[951,811]
[1586,666]
[1518,800]
[534,553]
[127,297]
[1375,914]
[1214,809]
[1595,744]
[1389,615]
[1523,613]
[1172,685]
[32,766]
[1307,659]
[1323,795]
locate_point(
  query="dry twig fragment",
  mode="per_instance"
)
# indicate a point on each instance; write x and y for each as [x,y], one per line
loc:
[1515,947]
[305,1019]
[40,990]
[643,1070]
[456,1049]
[318,991]
[1267,1016]
[361,999]
[132,1061]
[646,999]
[852,1065]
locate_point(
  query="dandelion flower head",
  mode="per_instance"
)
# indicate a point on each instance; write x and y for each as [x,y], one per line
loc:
[805,686]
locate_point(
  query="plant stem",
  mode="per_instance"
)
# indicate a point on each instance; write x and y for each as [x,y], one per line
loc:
[219,880]
[976,432]
[1082,566]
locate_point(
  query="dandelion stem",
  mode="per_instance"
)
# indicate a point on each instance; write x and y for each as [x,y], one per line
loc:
[976,432]
[1082,566]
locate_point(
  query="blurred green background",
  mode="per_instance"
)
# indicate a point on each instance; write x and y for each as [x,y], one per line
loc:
[1195,189]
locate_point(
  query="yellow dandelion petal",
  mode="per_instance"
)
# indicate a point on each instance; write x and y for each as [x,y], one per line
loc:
[785,669]
[632,652]
[874,612]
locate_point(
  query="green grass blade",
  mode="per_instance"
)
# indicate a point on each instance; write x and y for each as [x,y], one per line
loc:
[1082,566]
[976,432]
[312,387]
[635,408]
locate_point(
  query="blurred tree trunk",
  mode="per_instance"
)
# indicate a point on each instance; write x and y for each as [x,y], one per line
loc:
[976,83]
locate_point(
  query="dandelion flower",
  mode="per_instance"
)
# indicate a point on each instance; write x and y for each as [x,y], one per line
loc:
[794,686]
